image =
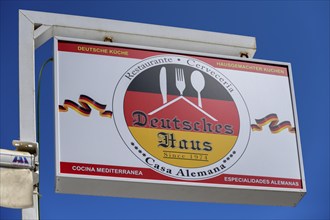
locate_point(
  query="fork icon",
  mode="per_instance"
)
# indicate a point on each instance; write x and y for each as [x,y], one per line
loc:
[179,80]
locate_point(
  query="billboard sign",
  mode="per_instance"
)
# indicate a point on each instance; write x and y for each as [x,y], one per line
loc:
[171,124]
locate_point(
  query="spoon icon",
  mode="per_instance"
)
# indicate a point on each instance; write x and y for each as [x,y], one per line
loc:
[198,82]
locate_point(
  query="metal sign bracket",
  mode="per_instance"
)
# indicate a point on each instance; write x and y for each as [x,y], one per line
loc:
[36,28]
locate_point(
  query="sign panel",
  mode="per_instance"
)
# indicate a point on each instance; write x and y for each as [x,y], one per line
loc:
[174,125]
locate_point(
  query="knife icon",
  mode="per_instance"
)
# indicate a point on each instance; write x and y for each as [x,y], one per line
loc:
[163,84]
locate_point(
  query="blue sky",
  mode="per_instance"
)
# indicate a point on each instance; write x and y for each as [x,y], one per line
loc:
[291,31]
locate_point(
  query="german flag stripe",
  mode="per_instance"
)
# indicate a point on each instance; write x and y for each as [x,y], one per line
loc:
[274,125]
[269,118]
[90,101]
[149,82]
[180,115]
[85,106]
[184,146]
[276,128]
[256,127]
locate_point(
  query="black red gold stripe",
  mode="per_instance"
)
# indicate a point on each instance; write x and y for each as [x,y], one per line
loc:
[84,106]
[274,125]
[224,111]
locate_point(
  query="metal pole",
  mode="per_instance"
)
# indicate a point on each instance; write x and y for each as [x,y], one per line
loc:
[27,97]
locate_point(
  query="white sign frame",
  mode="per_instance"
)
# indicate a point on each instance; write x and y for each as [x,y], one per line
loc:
[78,184]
